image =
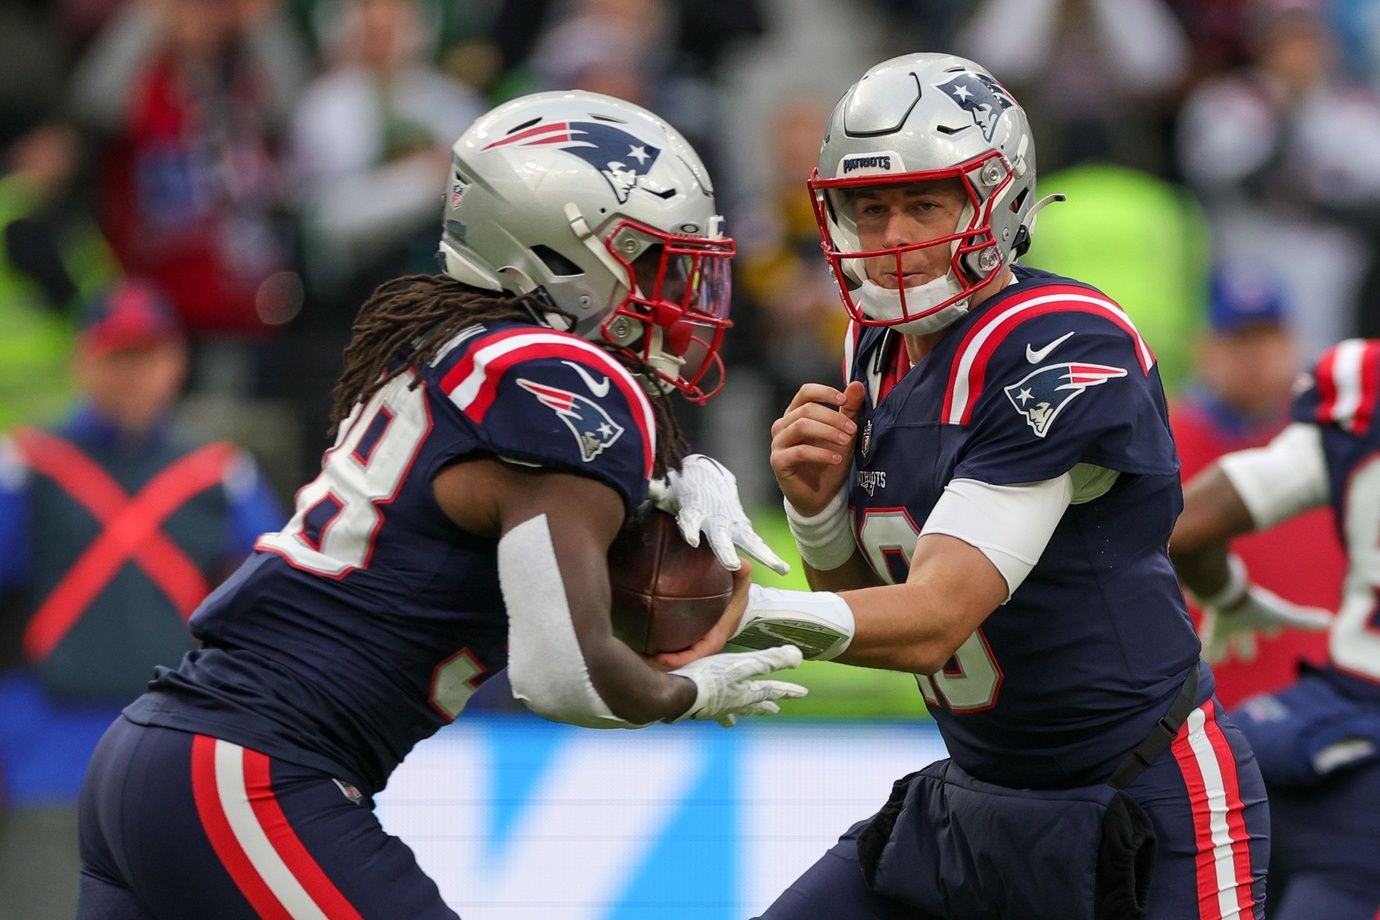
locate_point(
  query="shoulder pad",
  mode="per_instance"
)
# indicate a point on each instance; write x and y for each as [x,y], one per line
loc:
[1049,326]
[1344,387]
[578,381]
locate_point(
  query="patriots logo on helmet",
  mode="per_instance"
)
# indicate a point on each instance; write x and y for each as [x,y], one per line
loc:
[623,159]
[981,97]
[1043,394]
[594,430]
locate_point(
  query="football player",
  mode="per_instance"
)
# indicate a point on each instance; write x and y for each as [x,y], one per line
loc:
[1318,741]
[986,504]
[494,427]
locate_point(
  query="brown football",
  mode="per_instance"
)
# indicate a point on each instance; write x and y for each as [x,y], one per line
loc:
[666,593]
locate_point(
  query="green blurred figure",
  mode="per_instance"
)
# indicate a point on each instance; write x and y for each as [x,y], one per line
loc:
[52,258]
[1143,241]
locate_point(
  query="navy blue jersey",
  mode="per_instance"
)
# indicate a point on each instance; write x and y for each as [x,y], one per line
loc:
[1063,680]
[1340,397]
[366,623]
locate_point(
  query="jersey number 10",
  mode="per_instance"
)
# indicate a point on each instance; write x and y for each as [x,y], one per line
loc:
[971,680]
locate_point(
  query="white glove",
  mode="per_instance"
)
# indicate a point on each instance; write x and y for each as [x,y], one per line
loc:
[703,496]
[1230,632]
[724,688]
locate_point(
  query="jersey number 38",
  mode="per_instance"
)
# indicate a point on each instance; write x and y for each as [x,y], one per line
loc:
[338,514]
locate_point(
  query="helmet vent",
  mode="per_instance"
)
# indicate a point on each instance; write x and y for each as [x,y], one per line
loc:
[609,118]
[947,129]
[556,263]
[526,124]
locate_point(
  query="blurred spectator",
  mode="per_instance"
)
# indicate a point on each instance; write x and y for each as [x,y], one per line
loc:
[52,258]
[371,145]
[1142,240]
[1216,31]
[1246,364]
[188,95]
[618,47]
[788,304]
[1098,76]
[1275,150]
[113,526]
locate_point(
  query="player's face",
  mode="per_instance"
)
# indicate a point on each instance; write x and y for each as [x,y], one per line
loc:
[902,215]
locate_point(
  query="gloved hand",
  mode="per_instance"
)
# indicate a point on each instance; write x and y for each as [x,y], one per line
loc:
[703,496]
[724,688]
[1230,631]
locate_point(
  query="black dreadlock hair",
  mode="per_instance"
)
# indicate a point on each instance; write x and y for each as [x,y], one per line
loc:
[413,316]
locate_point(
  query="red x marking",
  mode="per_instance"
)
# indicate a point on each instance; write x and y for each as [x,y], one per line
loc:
[132,531]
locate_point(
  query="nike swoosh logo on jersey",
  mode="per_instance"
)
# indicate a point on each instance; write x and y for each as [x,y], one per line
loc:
[600,389]
[1035,356]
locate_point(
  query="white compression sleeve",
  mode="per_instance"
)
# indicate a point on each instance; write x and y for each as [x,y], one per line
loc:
[545,665]
[1010,525]
[1284,477]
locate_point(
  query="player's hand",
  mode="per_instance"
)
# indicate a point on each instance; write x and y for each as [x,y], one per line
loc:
[718,636]
[1230,632]
[725,687]
[812,443]
[703,495]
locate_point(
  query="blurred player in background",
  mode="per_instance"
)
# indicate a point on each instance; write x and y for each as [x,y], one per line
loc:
[1318,741]
[1245,366]
[495,426]
[1000,532]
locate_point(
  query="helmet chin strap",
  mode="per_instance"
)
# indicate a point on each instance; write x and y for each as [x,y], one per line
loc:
[661,361]
[881,303]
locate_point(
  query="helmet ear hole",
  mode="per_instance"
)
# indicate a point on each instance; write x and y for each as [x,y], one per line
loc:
[556,263]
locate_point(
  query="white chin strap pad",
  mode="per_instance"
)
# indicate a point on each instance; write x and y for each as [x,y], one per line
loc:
[882,303]
[545,665]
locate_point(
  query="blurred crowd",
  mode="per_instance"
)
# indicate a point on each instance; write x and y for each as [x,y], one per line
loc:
[265,163]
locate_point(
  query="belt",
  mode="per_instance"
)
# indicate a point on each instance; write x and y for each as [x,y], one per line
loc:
[1161,735]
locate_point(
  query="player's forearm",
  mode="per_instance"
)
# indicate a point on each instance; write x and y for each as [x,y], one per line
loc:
[633,691]
[1213,513]
[908,627]
[853,574]
[1204,570]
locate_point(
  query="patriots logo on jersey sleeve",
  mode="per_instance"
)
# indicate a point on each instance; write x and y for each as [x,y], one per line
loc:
[623,159]
[593,428]
[1043,393]
[981,97]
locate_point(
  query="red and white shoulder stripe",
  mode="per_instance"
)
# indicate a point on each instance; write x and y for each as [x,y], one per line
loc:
[968,373]
[472,384]
[1348,381]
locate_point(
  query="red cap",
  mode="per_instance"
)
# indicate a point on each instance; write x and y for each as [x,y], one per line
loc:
[131,314]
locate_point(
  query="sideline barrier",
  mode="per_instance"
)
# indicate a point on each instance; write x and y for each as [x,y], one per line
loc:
[520,819]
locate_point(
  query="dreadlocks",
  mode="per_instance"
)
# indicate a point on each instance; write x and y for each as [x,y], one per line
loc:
[413,316]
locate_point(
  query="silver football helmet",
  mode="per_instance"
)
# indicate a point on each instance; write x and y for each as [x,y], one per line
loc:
[605,211]
[914,118]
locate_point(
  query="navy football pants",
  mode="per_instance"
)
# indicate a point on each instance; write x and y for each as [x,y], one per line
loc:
[1205,797]
[179,825]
